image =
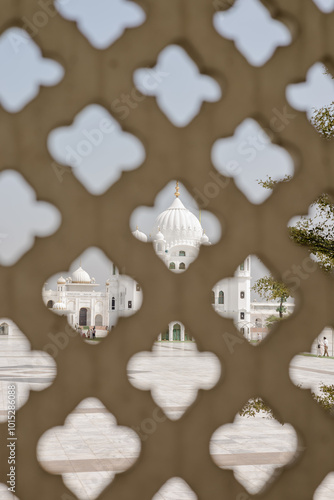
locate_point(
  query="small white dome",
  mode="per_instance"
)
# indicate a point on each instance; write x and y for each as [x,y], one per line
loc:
[59,306]
[159,236]
[61,281]
[80,276]
[140,235]
[205,240]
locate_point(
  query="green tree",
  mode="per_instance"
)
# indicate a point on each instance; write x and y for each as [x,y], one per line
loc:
[316,233]
[256,405]
[270,289]
[271,320]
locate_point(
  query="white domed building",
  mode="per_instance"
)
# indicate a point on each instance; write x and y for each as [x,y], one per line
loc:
[177,235]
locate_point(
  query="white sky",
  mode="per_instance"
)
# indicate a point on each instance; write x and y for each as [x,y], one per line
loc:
[179,90]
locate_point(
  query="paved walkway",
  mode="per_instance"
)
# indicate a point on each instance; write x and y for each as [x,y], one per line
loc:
[91,448]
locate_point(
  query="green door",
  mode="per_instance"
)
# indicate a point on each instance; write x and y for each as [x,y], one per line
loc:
[176,332]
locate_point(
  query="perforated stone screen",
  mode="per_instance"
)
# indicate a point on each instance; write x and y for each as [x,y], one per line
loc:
[178,448]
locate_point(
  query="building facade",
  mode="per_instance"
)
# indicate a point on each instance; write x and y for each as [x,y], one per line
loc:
[177,235]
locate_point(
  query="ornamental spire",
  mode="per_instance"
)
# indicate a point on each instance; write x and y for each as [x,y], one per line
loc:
[177,193]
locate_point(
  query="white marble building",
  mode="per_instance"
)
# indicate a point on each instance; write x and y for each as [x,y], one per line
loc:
[77,297]
[176,236]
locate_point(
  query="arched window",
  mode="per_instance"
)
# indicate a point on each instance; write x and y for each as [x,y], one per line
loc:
[221,297]
[113,303]
[98,320]
[50,304]
[83,316]
[182,265]
[212,297]
[182,253]
[172,265]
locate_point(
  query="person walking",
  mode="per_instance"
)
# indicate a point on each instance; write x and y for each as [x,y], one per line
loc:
[318,349]
[326,347]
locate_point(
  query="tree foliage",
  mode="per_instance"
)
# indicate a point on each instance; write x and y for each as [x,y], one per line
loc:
[323,121]
[270,289]
[256,405]
[271,320]
[315,232]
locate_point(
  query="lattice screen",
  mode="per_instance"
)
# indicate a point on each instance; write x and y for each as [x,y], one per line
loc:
[179,448]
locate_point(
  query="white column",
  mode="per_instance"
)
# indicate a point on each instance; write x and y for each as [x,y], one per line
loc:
[170,326]
[182,332]
[159,337]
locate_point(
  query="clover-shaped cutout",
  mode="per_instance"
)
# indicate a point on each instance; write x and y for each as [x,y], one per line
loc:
[165,371]
[253,299]
[313,94]
[175,488]
[325,490]
[254,447]
[102,23]
[263,35]
[89,449]
[249,156]
[91,308]
[314,370]
[21,222]
[19,366]
[176,233]
[96,147]
[23,70]
[325,5]
[170,82]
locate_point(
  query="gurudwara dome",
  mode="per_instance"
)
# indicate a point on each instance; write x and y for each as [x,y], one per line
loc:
[178,223]
[80,276]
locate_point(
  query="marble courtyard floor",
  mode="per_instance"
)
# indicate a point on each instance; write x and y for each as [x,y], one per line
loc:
[90,449]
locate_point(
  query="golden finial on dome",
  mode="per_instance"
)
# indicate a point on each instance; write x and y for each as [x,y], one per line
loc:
[137,227]
[177,193]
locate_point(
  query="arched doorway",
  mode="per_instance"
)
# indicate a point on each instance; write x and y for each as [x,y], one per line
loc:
[4,329]
[50,304]
[83,316]
[165,335]
[98,320]
[176,332]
